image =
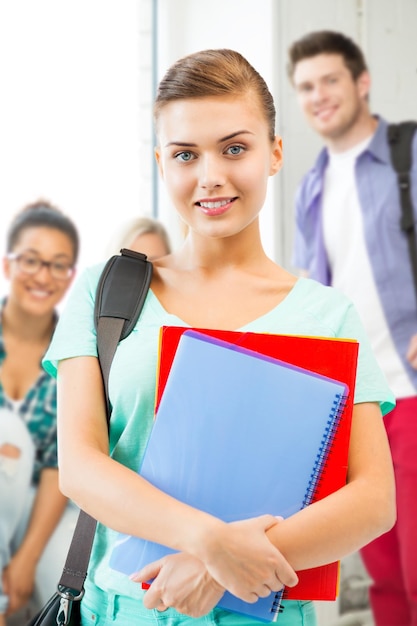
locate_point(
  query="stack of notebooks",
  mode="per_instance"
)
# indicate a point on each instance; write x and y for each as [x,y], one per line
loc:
[247,424]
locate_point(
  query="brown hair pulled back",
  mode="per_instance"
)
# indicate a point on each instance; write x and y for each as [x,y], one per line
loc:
[216,72]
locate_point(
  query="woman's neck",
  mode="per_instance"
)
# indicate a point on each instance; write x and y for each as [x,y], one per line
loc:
[21,325]
[217,255]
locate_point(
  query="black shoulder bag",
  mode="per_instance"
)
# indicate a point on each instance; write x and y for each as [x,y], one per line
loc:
[120,295]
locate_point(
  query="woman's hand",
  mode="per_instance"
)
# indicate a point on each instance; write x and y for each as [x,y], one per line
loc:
[182,582]
[239,553]
[240,557]
[412,352]
[18,582]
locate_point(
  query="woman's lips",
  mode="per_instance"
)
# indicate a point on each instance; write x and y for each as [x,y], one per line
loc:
[215,207]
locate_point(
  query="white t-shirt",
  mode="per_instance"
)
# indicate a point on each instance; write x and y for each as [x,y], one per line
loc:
[349,261]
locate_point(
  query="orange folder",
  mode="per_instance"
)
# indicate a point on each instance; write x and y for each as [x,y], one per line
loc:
[332,357]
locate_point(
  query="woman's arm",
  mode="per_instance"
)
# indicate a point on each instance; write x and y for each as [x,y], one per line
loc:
[354,515]
[412,352]
[48,507]
[321,533]
[240,557]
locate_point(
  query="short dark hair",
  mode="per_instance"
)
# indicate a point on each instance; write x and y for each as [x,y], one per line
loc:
[42,214]
[327,42]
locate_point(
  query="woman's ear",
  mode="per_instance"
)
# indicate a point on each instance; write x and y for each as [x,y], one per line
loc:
[277,156]
[158,158]
[6,267]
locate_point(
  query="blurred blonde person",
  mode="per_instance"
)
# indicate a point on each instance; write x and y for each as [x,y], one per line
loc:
[143,234]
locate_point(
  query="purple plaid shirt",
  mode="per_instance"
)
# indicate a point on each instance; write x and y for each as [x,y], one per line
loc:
[386,244]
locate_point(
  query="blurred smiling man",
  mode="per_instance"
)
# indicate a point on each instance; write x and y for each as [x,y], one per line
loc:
[348,235]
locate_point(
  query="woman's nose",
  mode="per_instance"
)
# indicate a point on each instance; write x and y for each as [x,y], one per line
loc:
[211,173]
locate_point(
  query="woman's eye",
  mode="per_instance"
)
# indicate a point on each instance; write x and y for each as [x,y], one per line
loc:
[184,156]
[30,261]
[235,150]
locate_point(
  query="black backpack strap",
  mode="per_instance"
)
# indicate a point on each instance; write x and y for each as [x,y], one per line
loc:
[120,295]
[400,138]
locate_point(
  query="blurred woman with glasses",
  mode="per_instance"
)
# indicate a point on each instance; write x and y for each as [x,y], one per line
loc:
[41,252]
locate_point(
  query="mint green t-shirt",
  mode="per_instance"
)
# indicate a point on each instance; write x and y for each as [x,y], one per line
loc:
[309,309]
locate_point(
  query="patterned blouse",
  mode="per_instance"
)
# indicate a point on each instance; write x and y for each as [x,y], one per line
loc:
[38,411]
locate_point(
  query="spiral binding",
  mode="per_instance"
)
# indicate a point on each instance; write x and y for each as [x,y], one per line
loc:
[335,416]
[332,425]
[277,607]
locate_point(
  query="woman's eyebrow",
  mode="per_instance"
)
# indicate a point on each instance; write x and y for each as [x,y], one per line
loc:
[235,134]
[187,144]
[183,144]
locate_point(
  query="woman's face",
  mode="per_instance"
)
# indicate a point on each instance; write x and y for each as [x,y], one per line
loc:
[150,244]
[39,292]
[215,157]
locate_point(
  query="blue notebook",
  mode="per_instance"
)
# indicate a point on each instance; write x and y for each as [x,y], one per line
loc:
[237,434]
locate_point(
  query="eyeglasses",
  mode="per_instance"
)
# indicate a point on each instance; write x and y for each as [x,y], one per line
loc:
[32,264]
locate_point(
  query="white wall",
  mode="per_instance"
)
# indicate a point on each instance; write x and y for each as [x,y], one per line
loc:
[72,76]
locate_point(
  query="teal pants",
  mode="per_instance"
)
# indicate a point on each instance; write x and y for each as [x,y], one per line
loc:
[104,609]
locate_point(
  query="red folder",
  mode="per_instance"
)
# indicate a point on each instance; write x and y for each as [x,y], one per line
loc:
[333,357]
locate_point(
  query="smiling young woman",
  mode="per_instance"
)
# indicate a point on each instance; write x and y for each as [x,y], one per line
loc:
[42,248]
[217,148]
